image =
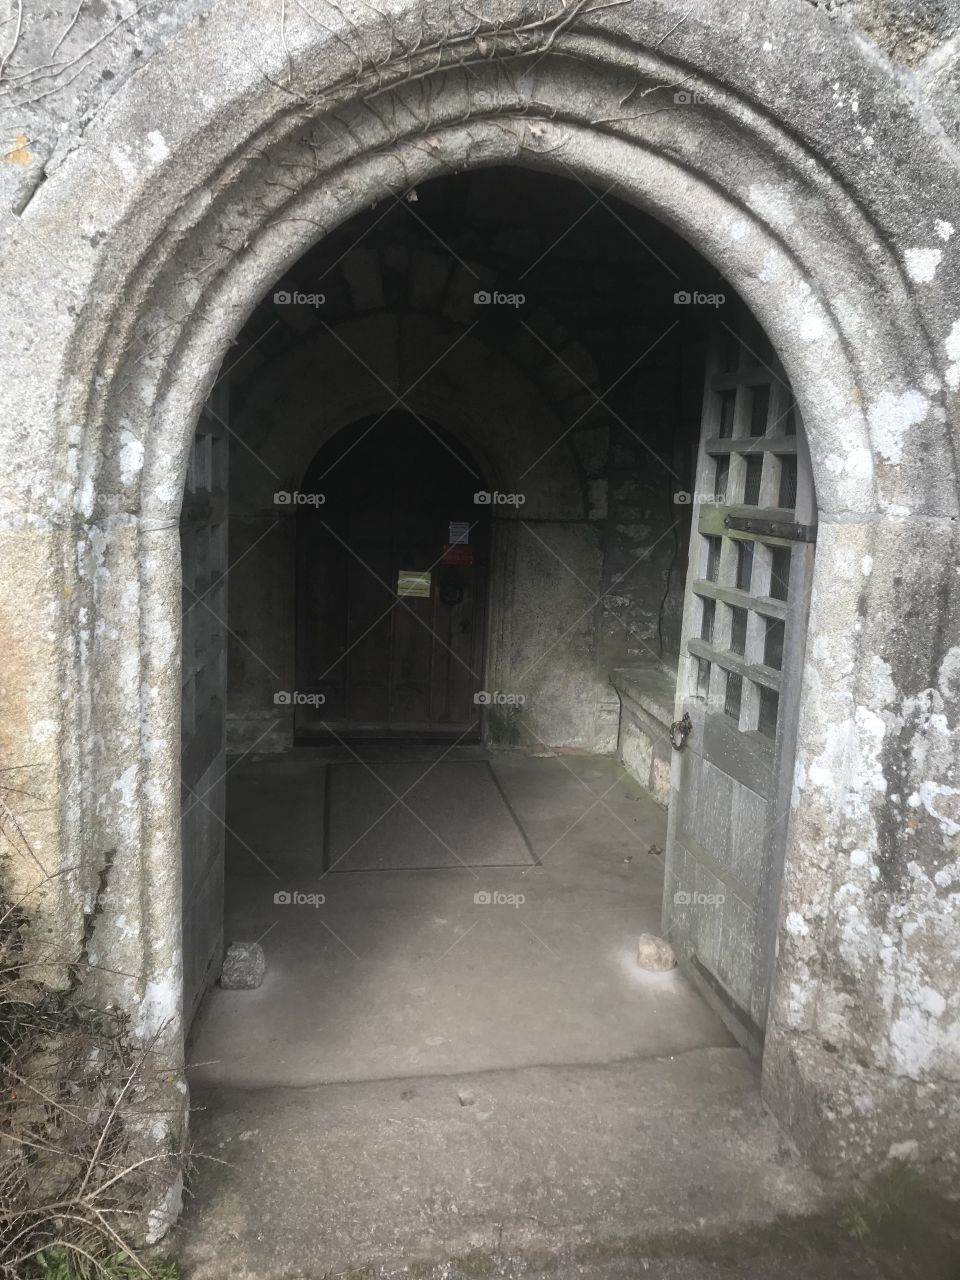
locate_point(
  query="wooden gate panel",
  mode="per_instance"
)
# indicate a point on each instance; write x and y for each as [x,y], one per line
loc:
[751,560]
[203,546]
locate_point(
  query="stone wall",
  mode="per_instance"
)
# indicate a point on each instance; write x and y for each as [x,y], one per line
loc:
[817,176]
[63,64]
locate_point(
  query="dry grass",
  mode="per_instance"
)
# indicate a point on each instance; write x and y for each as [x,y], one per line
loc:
[78,1098]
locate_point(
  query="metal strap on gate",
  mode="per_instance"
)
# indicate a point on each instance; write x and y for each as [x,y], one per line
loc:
[772,528]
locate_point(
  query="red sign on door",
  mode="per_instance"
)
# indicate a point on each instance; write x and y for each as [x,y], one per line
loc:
[457,553]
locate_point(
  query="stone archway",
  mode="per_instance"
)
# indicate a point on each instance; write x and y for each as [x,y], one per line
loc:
[272,138]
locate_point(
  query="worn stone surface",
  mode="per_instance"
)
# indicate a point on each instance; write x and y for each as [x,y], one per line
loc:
[646,695]
[553,1156]
[244,966]
[906,30]
[823,186]
[654,953]
[62,64]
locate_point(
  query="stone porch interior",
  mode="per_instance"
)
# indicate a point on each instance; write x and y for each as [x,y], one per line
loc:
[456,1049]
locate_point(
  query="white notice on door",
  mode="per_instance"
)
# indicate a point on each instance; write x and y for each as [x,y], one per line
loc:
[411,582]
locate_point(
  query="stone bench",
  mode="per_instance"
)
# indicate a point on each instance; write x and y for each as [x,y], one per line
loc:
[647,695]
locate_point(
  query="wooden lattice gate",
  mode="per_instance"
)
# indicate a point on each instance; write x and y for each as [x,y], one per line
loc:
[745,618]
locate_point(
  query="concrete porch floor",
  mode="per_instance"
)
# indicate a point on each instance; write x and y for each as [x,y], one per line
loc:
[400,972]
[427,1076]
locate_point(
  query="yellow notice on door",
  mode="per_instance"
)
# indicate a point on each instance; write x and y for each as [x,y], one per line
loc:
[412,583]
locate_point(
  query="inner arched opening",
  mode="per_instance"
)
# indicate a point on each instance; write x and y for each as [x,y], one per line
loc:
[518,541]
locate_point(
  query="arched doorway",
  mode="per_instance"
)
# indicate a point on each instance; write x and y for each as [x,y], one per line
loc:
[392,558]
[380,549]
[824,248]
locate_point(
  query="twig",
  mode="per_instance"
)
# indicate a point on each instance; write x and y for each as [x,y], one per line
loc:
[16,39]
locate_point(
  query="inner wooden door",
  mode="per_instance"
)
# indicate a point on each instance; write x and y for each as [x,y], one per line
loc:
[391,578]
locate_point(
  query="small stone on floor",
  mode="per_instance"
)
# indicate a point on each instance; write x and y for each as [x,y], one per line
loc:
[654,953]
[243,966]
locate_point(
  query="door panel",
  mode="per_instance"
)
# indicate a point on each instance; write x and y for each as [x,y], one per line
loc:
[385,663]
[203,546]
[745,616]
